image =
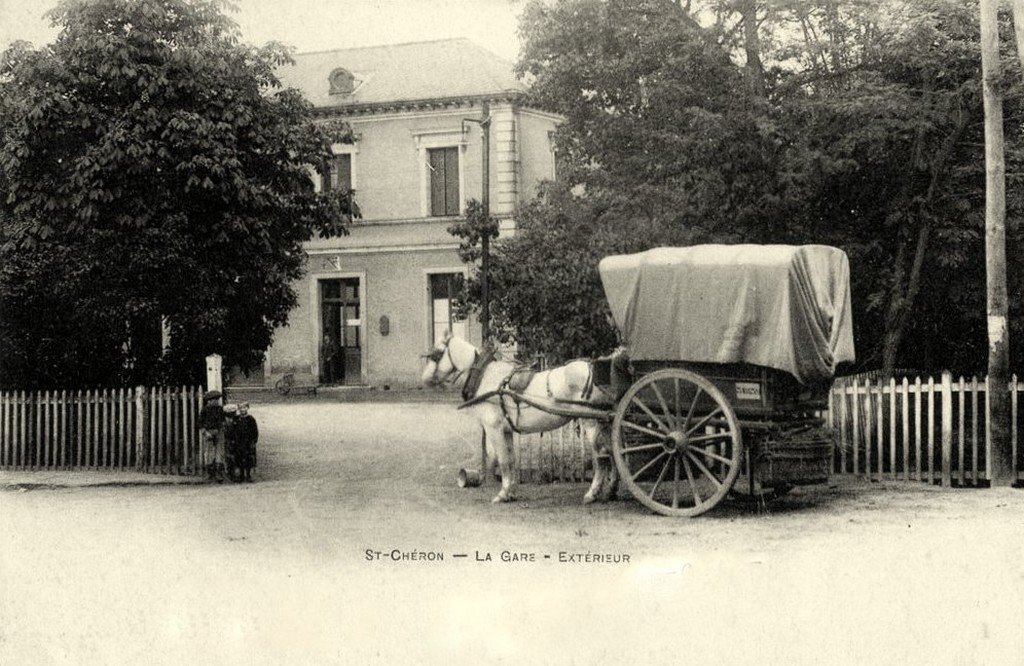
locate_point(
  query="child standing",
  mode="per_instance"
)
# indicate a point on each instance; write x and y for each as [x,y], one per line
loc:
[246,435]
[231,452]
[211,423]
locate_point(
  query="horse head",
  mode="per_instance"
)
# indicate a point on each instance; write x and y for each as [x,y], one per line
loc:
[449,359]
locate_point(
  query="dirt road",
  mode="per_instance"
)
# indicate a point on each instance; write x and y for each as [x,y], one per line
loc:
[333,557]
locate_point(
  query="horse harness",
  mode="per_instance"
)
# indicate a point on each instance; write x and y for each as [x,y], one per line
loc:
[509,388]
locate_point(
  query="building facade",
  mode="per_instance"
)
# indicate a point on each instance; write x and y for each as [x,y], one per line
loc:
[371,302]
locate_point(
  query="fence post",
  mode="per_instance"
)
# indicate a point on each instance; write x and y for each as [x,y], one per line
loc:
[1013,425]
[947,428]
[140,427]
[892,427]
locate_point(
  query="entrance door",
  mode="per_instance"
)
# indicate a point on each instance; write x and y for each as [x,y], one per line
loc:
[341,353]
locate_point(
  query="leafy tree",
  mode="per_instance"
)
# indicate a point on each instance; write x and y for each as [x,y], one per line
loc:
[152,174]
[851,123]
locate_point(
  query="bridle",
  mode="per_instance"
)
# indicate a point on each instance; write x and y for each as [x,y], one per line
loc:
[436,356]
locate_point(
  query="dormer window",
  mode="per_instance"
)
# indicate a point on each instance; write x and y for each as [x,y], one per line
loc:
[342,81]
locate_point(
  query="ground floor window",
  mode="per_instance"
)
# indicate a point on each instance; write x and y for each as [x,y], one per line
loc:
[445,290]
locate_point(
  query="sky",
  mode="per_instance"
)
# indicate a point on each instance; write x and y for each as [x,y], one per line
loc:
[318,25]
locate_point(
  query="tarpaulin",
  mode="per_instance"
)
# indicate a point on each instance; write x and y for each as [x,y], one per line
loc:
[780,306]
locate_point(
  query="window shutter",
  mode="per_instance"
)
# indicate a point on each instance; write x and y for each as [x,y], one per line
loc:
[451,164]
[436,161]
[344,166]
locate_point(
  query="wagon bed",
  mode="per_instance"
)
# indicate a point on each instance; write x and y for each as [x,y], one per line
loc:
[728,355]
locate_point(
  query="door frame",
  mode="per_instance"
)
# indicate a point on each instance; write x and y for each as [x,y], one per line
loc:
[316,318]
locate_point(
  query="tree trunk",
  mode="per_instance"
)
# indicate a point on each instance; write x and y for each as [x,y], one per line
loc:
[1002,467]
[752,45]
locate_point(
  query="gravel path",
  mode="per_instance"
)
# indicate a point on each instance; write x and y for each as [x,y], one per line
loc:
[287,569]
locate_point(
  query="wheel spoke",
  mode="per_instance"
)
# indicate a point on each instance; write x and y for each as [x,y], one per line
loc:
[703,421]
[693,485]
[664,405]
[649,465]
[703,468]
[679,409]
[649,413]
[642,447]
[661,475]
[675,487]
[646,431]
[693,406]
[721,459]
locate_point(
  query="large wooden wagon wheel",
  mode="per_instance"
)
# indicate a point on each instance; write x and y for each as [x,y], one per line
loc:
[676,442]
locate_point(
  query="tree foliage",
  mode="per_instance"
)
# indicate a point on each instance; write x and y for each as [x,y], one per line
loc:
[152,173]
[847,122]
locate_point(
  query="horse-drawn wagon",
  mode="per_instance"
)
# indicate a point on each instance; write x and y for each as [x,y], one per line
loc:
[727,359]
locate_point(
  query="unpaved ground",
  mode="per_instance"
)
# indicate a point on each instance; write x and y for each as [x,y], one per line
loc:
[278,571]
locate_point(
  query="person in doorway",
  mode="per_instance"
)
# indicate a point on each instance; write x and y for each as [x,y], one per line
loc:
[329,353]
[247,433]
[211,424]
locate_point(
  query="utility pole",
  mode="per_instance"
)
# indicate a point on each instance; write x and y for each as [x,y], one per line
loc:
[485,240]
[1001,464]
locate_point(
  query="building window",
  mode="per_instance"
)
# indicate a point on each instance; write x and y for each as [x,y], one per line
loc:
[445,290]
[443,164]
[337,173]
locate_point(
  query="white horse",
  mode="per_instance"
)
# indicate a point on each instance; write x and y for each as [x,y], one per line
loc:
[453,357]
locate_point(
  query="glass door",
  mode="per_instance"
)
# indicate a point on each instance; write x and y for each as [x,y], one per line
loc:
[341,354]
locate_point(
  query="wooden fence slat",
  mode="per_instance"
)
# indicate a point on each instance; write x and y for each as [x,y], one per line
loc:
[975,443]
[988,429]
[4,422]
[152,429]
[931,430]
[855,437]
[917,428]
[843,441]
[947,429]
[905,406]
[43,431]
[79,419]
[892,428]
[880,429]
[961,422]
[183,428]
[868,429]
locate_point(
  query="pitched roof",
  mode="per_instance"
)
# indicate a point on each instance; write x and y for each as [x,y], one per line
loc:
[442,69]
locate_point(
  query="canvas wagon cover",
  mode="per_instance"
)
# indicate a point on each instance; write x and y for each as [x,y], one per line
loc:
[780,306]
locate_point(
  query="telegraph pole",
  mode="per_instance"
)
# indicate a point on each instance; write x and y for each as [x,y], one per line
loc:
[485,240]
[1001,463]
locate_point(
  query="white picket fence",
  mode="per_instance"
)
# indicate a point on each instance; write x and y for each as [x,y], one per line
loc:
[931,430]
[925,429]
[142,429]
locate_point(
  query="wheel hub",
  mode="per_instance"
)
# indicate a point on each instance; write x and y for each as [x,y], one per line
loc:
[677,441]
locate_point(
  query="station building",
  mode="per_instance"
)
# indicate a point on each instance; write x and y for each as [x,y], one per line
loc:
[371,302]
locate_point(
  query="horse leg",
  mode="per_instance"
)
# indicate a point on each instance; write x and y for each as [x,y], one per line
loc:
[503,445]
[596,435]
[606,475]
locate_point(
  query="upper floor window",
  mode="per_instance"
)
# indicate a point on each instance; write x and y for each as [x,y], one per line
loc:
[444,181]
[337,174]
